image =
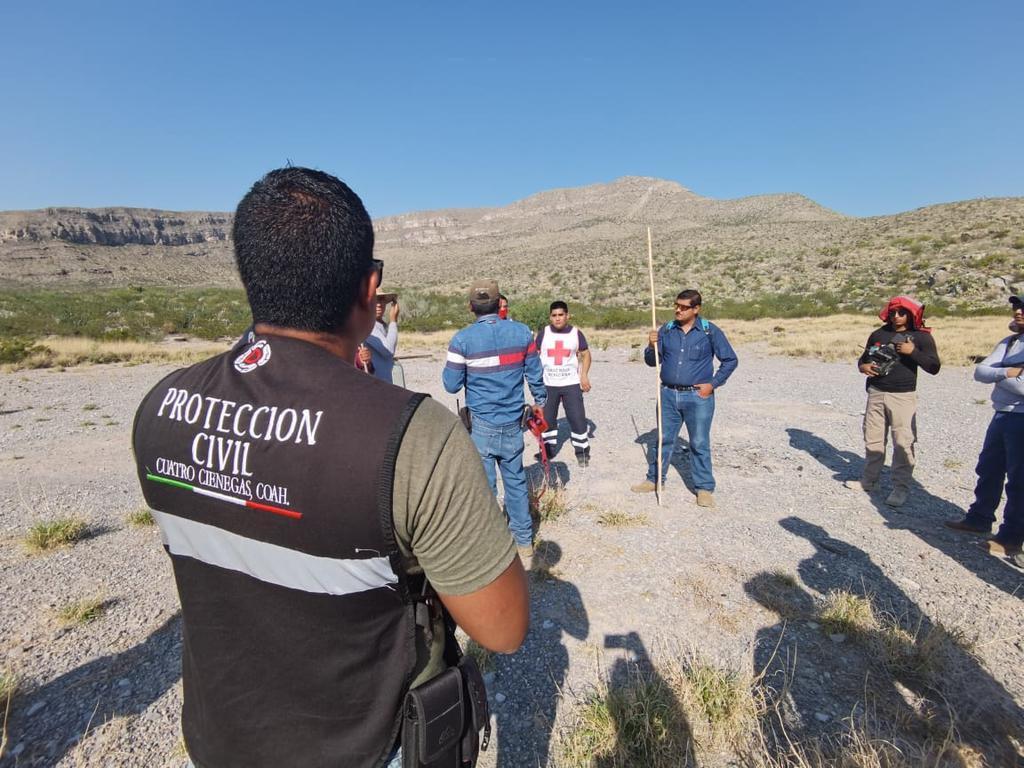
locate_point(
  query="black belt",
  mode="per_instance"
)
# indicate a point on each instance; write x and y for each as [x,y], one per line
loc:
[681,387]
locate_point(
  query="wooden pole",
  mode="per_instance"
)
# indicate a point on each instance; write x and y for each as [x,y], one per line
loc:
[657,361]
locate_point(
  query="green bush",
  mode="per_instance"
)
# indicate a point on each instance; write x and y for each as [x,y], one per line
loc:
[14,350]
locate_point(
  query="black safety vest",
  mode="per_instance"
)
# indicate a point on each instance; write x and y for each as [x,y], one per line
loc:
[270,469]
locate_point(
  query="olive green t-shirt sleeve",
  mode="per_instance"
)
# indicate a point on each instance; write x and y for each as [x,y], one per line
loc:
[446,518]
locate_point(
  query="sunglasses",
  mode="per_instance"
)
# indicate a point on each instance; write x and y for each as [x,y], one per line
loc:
[684,307]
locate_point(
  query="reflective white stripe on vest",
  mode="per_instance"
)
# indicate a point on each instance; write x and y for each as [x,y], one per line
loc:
[272,563]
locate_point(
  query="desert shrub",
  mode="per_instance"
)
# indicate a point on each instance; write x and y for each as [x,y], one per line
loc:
[15,350]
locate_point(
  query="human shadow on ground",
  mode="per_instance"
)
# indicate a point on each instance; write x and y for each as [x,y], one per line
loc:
[636,690]
[819,679]
[534,676]
[680,456]
[51,719]
[922,515]
[558,475]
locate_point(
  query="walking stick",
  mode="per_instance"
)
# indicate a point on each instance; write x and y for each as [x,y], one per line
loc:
[657,361]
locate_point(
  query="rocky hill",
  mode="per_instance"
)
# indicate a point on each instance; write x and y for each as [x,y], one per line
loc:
[586,243]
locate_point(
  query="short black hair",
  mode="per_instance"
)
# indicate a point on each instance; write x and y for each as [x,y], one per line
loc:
[690,295]
[303,245]
[503,296]
[485,308]
[558,305]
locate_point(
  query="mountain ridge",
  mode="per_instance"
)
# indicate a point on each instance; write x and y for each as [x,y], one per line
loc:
[584,243]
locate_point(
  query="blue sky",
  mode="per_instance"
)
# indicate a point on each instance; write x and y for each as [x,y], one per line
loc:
[866,107]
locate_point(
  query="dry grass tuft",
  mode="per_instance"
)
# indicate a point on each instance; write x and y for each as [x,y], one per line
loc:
[843,612]
[552,505]
[82,611]
[728,701]
[61,532]
[868,742]
[779,592]
[10,686]
[841,337]
[140,518]
[919,652]
[66,352]
[620,520]
[638,723]
[650,717]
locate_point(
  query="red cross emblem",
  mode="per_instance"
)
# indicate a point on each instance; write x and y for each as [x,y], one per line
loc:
[559,352]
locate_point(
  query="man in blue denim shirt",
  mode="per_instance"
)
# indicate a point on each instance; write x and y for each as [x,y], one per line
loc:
[687,347]
[490,358]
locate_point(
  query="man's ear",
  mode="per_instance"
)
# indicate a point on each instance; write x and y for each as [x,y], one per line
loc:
[367,297]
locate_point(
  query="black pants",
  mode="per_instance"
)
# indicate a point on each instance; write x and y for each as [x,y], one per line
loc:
[572,397]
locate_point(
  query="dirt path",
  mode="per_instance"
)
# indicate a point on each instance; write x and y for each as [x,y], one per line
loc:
[682,578]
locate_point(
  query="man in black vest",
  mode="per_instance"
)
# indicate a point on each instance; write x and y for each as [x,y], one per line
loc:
[301,502]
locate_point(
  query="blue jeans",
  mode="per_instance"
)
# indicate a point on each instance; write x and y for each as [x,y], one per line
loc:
[678,408]
[503,444]
[1002,456]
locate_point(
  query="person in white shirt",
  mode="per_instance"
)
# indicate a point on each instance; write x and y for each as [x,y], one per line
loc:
[383,342]
[565,357]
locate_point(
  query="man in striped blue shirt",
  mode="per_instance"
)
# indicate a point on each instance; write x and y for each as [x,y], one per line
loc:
[489,359]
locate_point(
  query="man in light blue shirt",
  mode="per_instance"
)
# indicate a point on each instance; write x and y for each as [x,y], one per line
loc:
[1002,453]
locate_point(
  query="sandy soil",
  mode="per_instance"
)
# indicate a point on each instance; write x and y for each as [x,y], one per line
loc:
[684,580]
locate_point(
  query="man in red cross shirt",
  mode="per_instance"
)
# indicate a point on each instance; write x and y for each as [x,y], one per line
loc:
[565,358]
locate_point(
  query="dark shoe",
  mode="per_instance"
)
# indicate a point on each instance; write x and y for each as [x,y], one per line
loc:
[897,498]
[968,525]
[582,459]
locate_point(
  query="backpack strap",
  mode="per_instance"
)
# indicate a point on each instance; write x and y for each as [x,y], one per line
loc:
[385,494]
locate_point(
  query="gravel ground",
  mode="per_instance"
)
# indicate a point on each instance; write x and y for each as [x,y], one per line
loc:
[685,580]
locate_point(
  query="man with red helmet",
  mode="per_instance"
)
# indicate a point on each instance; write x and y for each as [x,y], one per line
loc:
[890,361]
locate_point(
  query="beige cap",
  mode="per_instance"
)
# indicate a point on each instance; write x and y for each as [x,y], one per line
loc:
[483,291]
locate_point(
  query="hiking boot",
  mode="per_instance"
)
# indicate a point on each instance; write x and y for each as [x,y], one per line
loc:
[968,525]
[645,487]
[583,459]
[705,499]
[897,498]
[860,485]
[526,555]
